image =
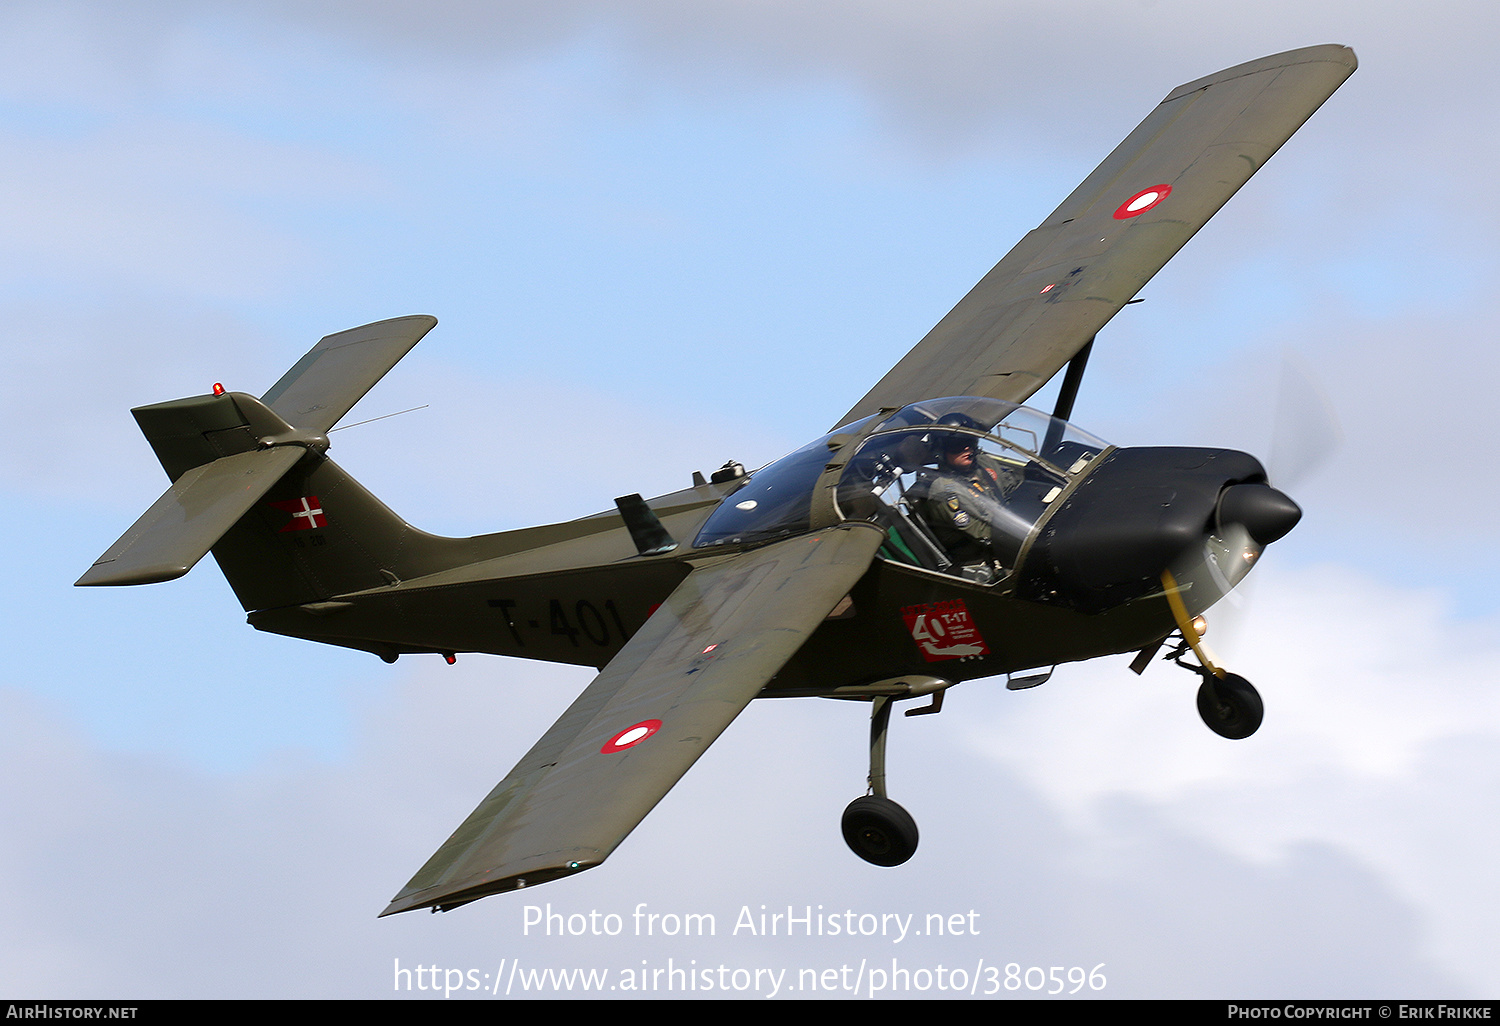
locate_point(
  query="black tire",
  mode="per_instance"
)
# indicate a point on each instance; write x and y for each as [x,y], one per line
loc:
[1230,706]
[879,831]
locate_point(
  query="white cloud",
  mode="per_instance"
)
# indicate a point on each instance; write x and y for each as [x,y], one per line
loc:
[265,882]
[1381,726]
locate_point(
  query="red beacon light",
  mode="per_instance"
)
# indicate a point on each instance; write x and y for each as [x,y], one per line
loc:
[218,388]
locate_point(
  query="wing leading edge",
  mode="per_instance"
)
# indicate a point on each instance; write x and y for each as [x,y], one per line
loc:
[708,650]
[1064,281]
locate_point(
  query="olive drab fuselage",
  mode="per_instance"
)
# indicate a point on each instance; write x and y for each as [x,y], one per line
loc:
[581,597]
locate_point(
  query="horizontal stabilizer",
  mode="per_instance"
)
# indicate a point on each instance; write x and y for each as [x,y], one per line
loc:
[338,371]
[181,526]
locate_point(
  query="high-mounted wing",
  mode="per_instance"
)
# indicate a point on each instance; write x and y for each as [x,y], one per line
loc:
[1066,279]
[702,656]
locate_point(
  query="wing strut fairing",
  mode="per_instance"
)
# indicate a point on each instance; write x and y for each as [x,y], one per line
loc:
[698,661]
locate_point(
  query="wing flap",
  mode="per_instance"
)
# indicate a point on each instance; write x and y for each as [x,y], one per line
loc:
[1063,282]
[708,650]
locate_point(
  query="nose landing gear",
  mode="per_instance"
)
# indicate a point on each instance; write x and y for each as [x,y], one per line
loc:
[1227,702]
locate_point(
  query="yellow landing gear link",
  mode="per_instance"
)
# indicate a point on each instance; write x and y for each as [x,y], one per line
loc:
[1227,702]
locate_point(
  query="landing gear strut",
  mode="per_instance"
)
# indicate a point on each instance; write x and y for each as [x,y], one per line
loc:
[1227,702]
[876,828]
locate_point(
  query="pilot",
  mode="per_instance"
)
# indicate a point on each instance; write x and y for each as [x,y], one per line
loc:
[965,501]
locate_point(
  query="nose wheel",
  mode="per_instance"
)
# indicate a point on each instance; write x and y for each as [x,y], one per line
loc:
[1227,702]
[1230,706]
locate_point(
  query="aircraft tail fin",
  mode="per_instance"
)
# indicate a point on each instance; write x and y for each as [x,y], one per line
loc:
[251,483]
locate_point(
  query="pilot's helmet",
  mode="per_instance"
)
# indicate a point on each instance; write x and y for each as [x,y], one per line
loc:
[945,442]
[962,420]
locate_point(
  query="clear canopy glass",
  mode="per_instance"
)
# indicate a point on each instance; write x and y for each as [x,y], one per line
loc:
[777,500]
[958,483]
[961,483]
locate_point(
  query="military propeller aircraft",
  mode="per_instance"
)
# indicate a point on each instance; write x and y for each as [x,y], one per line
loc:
[940,532]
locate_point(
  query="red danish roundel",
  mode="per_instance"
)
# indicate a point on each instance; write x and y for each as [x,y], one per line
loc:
[632,735]
[1142,201]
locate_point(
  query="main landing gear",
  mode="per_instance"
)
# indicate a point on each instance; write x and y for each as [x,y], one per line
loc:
[876,828]
[879,831]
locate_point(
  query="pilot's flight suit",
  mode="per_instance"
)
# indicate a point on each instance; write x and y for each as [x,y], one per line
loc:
[962,507]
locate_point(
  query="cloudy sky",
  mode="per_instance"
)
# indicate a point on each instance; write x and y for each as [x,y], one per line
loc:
[660,235]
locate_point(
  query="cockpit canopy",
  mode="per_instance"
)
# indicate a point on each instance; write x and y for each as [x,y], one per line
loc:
[959,483]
